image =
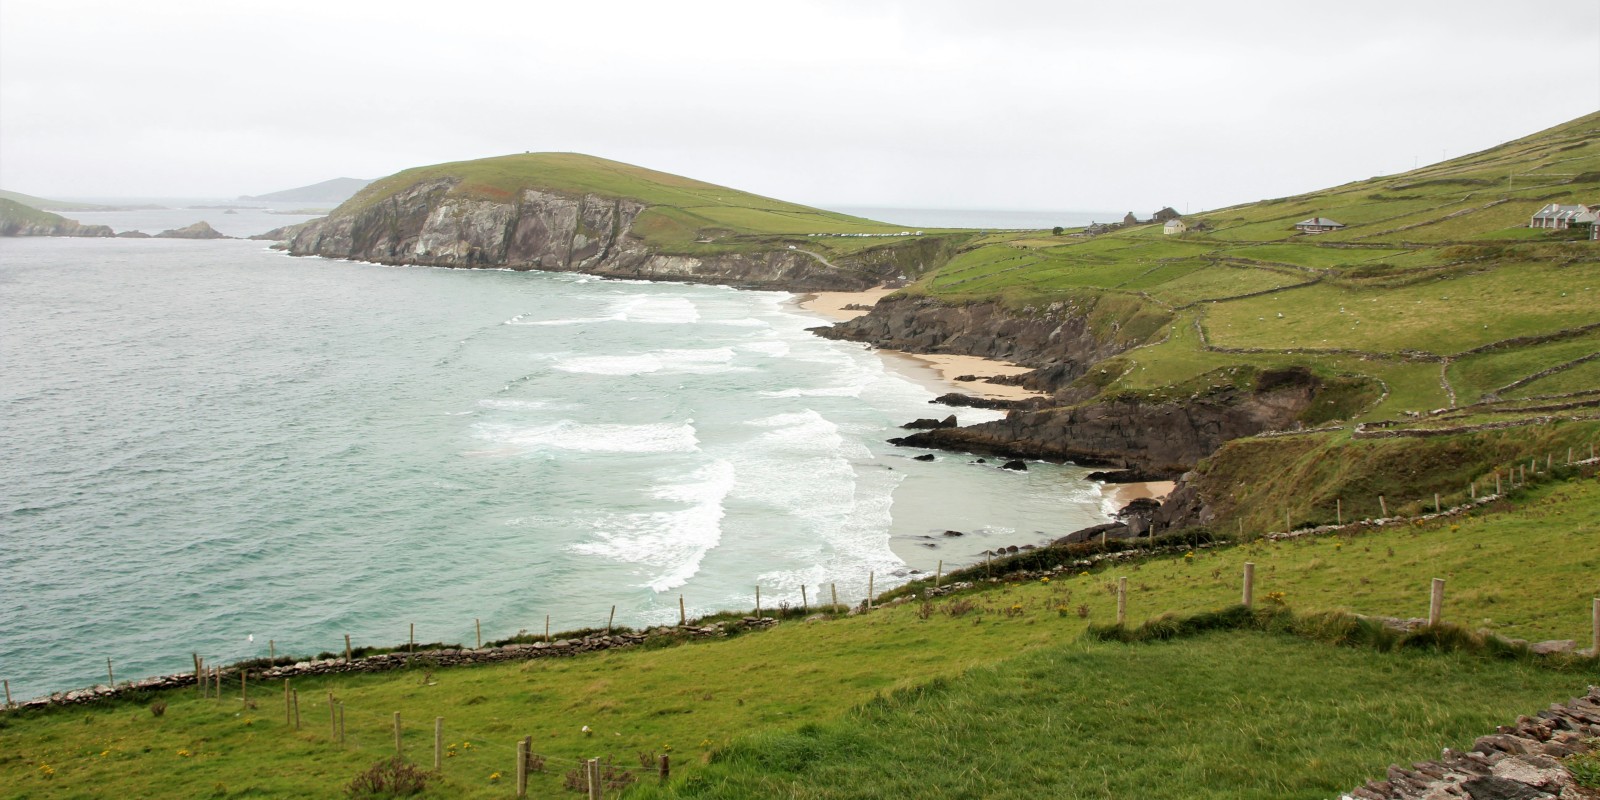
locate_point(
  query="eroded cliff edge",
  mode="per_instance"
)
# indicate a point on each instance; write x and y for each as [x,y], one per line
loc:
[425,224]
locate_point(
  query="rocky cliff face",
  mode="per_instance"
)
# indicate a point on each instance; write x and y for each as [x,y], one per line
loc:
[590,233]
[1060,339]
[1160,439]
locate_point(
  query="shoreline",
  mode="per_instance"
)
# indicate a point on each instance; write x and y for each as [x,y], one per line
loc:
[946,369]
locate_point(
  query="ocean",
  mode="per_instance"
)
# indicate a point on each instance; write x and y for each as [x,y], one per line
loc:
[211,446]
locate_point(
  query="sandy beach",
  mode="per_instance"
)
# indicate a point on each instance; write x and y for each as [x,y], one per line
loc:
[1118,495]
[832,304]
[945,368]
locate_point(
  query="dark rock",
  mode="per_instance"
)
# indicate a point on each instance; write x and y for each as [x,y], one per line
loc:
[960,400]
[1492,788]
[981,461]
[133,235]
[1112,530]
[928,423]
[923,457]
[1020,466]
[954,533]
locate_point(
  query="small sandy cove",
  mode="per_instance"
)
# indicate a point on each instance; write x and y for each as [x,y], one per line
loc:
[946,367]
[1119,495]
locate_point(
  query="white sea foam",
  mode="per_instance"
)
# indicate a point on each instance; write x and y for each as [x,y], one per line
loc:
[663,437]
[521,319]
[776,348]
[670,543]
[827,391]
[655,309]
[701,361]
[746,322]
[502,404]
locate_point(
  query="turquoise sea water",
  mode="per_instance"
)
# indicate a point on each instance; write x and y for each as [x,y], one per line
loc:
[210,445]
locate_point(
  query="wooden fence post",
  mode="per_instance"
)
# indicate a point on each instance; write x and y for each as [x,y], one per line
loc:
[1338,511]
[111,677]
[1436,502]
[547,628]
[938,574]
[288,715]
[834,587]
[438,744]
[347,656]
[295,698]
[1122,600]
[805,605]
[1497,483]
[1383,507]
[398,750]
[665,768]
[333,719]
[683,616]
[1436,602]
[477,625]
[1473,489]
[244,686]
[870,576]
[522,768]
[611,619]
[758,601]
[411,639]
[1594,644]
[1249,583]
[594,779]
[198,683]
[1569,456]
[8,683]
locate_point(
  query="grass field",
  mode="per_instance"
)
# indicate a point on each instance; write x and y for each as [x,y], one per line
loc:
[1016,651]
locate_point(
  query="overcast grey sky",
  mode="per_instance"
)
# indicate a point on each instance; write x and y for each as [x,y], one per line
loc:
[1005,105]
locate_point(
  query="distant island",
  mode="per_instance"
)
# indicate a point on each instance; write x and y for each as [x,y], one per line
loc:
[332,192]
[44,204]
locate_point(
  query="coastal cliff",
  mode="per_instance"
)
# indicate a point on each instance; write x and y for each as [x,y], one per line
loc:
[436,223]
[1060,340]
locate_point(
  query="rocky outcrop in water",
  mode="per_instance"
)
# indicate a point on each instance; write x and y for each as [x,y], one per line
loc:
[426,224]
[199,230]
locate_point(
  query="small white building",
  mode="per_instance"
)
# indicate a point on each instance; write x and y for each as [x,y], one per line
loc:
[1174,226]
[1559,217]
[1317,225]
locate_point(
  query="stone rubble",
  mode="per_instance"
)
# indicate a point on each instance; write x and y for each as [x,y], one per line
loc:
[1516,762]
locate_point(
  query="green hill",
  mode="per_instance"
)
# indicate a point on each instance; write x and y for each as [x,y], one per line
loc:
[681,210]
[59,205]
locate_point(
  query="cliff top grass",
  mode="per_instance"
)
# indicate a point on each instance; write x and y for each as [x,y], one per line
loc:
[991,681]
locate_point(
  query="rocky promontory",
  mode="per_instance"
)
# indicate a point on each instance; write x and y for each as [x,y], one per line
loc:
[572,213]
[17,219]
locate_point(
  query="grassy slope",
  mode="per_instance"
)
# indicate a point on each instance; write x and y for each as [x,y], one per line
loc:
[1433,261]
[703,697]
[12,211]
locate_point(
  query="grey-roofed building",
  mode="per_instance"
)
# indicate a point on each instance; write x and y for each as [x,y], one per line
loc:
[1317,225]
[1559,217]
